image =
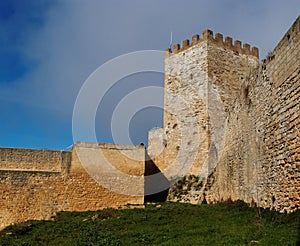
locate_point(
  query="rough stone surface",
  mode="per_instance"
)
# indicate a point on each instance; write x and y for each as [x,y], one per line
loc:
[248,114]
[156,143]
[186,115]
[59,181]
[30,159]
[262,160]
[202,81]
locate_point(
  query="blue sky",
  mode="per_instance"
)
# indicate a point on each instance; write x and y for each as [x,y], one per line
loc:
[48,48]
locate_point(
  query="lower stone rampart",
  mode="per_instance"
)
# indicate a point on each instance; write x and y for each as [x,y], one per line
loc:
[40,194]
[31,159]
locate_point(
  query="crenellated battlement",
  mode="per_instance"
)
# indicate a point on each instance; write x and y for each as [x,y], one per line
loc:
[207,35]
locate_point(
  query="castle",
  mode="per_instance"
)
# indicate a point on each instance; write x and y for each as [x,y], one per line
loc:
[231,131]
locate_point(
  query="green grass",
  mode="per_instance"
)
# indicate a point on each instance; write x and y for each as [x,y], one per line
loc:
[170,224]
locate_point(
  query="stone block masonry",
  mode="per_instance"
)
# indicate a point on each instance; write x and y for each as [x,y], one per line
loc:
[33,188]
[202,81]
[32,159]
[262,162]
[246,113]
[207,36]
[156,144]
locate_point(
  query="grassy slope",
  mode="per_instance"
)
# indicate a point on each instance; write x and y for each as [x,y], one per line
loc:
[170,224]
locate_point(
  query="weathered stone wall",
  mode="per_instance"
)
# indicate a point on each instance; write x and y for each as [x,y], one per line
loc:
[202,80]
[186,116]
[227,68]
[118,168]
[39,194]
[156,145]
[28,195]
[30,159]
[261,162]
[32,184]
[250,114]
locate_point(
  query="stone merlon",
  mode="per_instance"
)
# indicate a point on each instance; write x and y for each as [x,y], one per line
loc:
[208,36]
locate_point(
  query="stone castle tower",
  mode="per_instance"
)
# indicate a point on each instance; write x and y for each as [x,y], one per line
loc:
[232,121]
[202,81]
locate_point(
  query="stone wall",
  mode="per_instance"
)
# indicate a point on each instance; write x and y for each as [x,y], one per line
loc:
[261,162]
[227,69]
[38,194]
[247,112]
[31,159]
[119,168]
[186,114]
[32,184]
[156,145]
[29,195]
[202,80]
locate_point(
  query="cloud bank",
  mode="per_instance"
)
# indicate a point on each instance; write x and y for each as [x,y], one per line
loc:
[49,48]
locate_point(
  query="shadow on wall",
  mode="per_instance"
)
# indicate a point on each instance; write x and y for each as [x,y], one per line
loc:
[156,187]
